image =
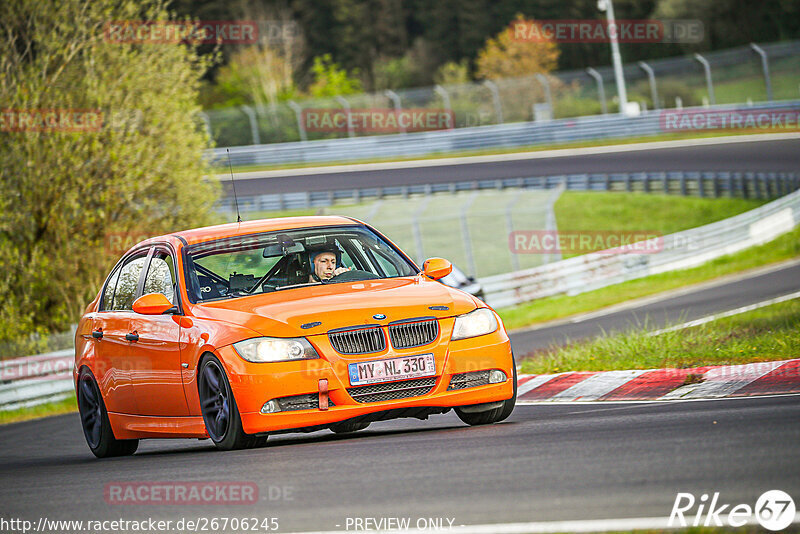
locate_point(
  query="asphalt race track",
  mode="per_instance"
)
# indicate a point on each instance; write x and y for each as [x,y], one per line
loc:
[775,155]
[545,463]
[689,305]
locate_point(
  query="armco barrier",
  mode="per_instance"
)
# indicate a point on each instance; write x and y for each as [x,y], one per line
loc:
[691,183]
[681,250]
[36,379]
[465,139]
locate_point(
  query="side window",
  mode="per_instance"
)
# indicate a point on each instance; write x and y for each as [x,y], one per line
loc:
[108,296]
[125,293]
[160,276]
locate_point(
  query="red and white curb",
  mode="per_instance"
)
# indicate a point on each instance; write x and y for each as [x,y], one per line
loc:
[709,382]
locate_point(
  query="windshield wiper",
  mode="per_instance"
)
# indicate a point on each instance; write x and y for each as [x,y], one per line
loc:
[237,293]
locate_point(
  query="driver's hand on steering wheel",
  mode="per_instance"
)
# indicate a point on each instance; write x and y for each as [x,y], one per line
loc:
[340,270]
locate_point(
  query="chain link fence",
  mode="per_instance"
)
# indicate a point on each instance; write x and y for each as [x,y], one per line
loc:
[754,73]
[469,228]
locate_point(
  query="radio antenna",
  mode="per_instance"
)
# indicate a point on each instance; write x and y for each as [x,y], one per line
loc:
[233,183]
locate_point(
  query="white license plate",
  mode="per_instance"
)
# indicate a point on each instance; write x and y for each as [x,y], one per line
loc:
[391,369]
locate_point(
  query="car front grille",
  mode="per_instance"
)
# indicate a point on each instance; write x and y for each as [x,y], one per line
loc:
[301,402]
[392,390]
[468,380]
[359,341]
[413,333]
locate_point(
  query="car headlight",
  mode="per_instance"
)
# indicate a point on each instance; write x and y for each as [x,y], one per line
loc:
[475,323]
[275,349]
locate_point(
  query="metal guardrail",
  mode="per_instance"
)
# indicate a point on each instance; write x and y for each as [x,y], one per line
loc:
[464,139]
[681,250]
[695,183]
[36,379]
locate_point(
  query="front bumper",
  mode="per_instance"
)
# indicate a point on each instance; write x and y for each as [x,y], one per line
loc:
[255,384]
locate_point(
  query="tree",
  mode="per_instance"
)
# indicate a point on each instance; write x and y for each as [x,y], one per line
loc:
[256,75]
[505,56]
[452,73]
[332,80]
[139,169]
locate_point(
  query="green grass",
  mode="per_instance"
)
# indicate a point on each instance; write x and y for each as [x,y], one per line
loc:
[595,210]
[638,212]
[67,405]
[769,334]
[750,83]
[676,136]
[784,247]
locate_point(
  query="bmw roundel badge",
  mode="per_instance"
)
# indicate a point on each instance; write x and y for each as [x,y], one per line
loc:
[379,317]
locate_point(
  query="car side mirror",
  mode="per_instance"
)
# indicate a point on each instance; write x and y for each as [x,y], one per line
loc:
[436,268]
[152,304]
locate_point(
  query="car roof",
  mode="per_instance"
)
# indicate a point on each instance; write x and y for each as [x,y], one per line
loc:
[210,233]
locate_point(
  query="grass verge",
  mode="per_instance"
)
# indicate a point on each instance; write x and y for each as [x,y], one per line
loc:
[771,333]
[67,405]
[782,248]
[582,211]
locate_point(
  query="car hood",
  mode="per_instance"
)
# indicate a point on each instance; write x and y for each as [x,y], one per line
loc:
[284,313]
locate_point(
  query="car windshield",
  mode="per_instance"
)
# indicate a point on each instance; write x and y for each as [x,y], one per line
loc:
[287,259]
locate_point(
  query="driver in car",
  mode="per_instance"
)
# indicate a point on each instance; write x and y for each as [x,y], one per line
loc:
[323,264]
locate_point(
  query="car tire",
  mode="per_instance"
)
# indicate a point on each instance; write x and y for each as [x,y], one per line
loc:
[218,406]
[94,420]
[347,427]
[508,406]
[497,414]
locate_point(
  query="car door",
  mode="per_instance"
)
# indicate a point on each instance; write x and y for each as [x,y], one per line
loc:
[110,329]
[157,381]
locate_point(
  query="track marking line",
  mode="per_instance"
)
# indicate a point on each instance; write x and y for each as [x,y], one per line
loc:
[666,402]
[729,313]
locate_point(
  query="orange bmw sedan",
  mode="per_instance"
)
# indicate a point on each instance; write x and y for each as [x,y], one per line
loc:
[239,331]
